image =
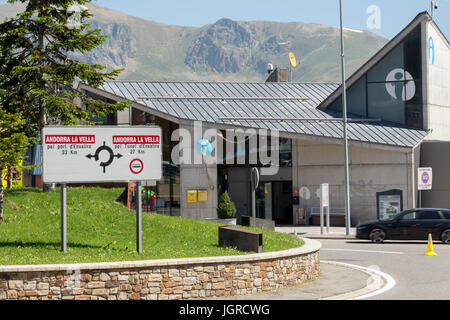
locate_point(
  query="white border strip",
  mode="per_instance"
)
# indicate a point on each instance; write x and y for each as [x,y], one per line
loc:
[390,282]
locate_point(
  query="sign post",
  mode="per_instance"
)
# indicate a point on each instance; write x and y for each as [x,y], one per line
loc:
[63,218]
[324,207]
[98,154]
[138,217]
[424,181]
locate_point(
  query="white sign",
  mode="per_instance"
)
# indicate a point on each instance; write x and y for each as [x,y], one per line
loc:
[101,154]
[425,178]
[324,195]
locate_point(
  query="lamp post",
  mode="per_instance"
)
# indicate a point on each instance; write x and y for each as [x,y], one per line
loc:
[344,114]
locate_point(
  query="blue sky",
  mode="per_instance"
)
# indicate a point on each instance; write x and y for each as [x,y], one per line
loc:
[393,14]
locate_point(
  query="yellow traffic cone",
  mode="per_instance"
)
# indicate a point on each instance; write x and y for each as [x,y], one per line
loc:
[430,251]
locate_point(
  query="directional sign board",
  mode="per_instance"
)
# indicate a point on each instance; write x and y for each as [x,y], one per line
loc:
[101,154]
[425,178]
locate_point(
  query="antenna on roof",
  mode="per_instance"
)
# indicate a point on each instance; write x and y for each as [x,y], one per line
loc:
[434,6]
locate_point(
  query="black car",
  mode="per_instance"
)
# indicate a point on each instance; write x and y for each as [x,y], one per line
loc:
[414,224]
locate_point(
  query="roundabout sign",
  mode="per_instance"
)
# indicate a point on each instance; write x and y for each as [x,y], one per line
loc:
[101,154]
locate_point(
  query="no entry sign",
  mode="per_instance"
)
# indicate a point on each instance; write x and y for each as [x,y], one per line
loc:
[101,154]
[425,179]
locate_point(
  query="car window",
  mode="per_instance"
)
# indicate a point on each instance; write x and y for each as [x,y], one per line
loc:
[428,215]
[409,216]
[446,214]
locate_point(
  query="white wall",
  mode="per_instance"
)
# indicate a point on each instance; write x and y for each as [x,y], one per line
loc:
[438,86]
[371,171]
[195,176]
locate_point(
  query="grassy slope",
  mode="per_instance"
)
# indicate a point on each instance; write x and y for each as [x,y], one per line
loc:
[100,229]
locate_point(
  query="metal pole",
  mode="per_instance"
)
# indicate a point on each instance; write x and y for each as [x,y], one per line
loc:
[420,198]
[253,203]
[63,218]
[344,112]
[321,219]
[432,8]
[328,218]
[138,217]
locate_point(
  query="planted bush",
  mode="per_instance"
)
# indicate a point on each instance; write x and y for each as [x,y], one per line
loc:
[226,208]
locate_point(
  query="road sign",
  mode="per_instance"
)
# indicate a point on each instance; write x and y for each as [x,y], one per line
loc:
[254,178]
[425,178]
[101,154]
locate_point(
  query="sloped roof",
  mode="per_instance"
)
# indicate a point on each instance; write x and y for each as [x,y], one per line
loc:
[209,101]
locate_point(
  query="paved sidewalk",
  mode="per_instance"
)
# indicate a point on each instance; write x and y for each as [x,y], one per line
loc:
[336,282]
[313,232]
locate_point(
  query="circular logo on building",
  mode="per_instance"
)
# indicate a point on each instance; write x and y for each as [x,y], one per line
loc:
[204,147]
[136,166]
[305,193]
[400,85]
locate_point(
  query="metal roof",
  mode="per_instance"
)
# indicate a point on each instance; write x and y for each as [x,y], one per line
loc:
[292,100]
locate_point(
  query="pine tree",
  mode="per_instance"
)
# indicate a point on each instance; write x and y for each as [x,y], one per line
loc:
[226,208]
[38,72]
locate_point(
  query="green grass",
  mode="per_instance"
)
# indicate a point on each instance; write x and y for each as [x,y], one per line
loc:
[100,229]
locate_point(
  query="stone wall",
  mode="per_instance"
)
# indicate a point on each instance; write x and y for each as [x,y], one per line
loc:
[163,279]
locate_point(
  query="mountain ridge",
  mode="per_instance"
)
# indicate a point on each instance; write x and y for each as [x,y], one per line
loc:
[226,50]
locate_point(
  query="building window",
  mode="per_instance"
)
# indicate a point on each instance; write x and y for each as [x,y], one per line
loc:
[392,89]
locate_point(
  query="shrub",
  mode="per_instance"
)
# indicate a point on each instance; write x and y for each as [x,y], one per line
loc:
[226,208]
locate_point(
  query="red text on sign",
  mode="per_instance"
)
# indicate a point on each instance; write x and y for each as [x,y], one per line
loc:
[69,139]
[135,139]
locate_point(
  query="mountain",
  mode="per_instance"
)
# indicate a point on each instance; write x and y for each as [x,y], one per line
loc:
[226,50]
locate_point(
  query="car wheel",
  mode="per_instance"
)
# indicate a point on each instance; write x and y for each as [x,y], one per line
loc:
[378,235]
[445,236]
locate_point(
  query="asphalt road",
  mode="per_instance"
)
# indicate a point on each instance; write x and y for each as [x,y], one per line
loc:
[418,277]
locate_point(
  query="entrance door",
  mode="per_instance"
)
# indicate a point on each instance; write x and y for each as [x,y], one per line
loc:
[264,200]
[274,201]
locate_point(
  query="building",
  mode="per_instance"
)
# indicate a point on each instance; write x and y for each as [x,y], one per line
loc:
[406,86]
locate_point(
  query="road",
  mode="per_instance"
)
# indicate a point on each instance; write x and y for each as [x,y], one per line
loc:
[418,277]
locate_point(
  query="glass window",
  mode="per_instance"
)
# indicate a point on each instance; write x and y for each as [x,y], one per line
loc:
[409,216]
[446,214]
[428,215]
[168,188]
[336,105]
[285,152]
[356,98]
[394,60]
[392,89]
[382,105]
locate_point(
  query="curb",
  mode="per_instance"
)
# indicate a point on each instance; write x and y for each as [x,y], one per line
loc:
[319,237]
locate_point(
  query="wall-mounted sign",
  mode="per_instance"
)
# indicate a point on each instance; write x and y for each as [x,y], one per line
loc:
[389,203]
[101,154]
[324,195]
[425,179]
[431,50]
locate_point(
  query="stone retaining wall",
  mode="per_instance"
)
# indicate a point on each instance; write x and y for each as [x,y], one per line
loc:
[163,279]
